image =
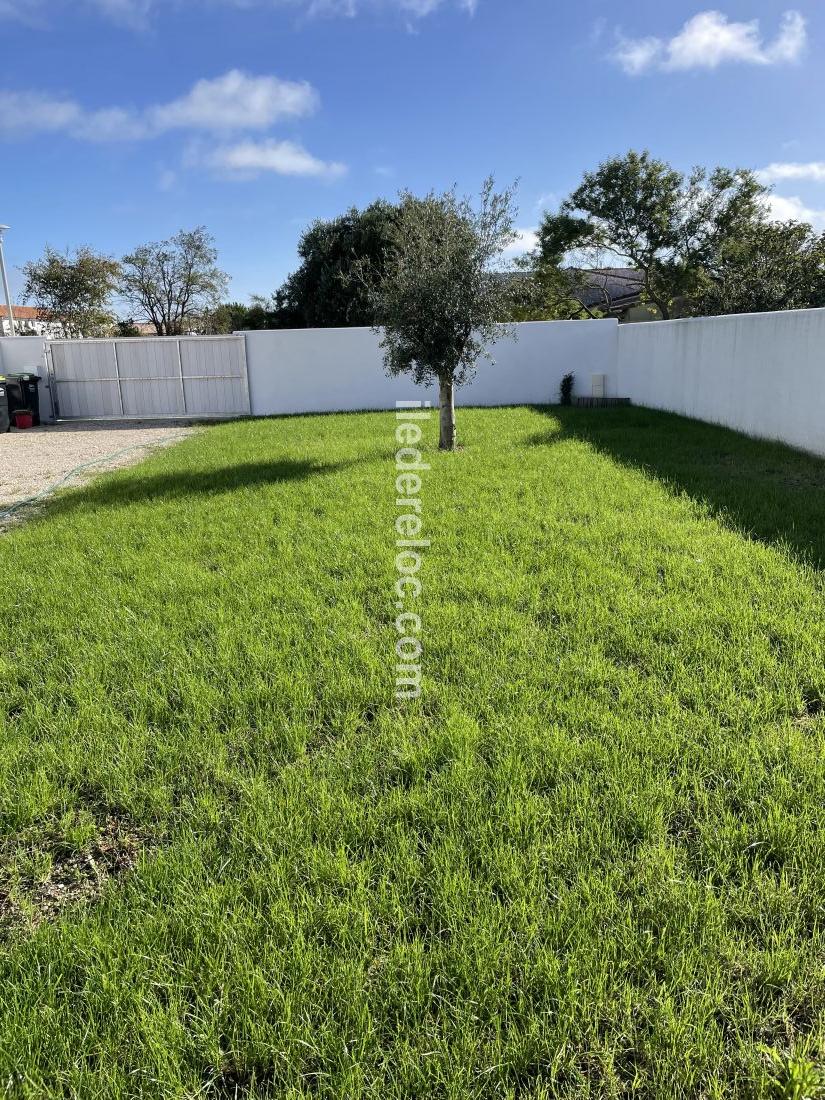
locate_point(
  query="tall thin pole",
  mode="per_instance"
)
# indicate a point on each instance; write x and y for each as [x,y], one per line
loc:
[6,281]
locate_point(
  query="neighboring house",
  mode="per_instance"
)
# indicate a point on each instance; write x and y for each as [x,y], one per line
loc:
[29,321]
[617,292]
[599,291]
[614,291]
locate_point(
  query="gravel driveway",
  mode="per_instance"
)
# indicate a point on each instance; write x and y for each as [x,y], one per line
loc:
[33,460]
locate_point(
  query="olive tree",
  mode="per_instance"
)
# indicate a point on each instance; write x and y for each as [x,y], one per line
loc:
[437,297]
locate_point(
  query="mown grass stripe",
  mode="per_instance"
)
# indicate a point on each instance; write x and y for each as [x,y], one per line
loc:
[587,862]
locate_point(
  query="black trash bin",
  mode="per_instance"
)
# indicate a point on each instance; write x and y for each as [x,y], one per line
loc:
[23,387]
[5,422]
[14,397]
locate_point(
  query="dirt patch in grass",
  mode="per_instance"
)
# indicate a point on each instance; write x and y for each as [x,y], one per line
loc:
[43,872]
[238,1082]
[812,709]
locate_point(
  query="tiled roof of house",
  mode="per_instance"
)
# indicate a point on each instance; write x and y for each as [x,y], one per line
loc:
[615,285]
[22,313]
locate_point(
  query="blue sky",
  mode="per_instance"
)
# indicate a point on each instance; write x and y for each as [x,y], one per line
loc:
[122,121]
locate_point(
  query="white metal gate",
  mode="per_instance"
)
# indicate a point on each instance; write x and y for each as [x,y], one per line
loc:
[149,378]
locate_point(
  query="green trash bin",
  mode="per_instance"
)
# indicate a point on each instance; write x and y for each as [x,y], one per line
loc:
[5,422]
[24,393]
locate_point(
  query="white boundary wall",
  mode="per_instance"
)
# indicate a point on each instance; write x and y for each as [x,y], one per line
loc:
[19,354]
[22,353]
[331,370]
[760,373]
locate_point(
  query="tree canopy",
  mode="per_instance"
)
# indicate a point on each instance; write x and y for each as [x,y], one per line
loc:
[436,295]
[690,243]
[669,226]
[775,265]
[174,282]
[260,313]
[73,289]
[321,293]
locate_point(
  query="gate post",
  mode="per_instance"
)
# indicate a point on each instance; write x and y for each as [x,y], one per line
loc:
[117,376]
[180,375]
[50,380]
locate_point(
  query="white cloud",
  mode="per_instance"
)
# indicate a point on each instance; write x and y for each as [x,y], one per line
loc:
[29,113]
[236,101]
[710,39]
[526,240]
[784,208]
[548,200]
[130,13]
[137,13]
[597,29]
[232,102]
[167,179]
[426,7]
[144,15]
[23,11]
[774,173]
[285,158]
[416,8]
[329,7]
[637,54]
[36,112]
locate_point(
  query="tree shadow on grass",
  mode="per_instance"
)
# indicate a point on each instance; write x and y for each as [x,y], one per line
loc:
[770,491]
[139,487]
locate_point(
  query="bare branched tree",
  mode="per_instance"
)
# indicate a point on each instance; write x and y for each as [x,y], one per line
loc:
[174,283]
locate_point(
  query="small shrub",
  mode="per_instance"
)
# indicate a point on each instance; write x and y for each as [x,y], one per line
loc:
[566,389]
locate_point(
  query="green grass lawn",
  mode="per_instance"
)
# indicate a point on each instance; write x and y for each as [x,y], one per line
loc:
[588,862]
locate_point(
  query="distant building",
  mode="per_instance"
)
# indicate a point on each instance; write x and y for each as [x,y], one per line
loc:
[599,291]
[614,291]
[29,321]
[617,292]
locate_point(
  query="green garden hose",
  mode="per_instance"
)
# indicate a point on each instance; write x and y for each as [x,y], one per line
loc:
[6,513]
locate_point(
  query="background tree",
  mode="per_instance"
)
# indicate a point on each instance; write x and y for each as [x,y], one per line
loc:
[321,293]
[174,283]
[237,317]
[551,286]
[557,282]
[73,289]
[668,226]
[437,296]
[777,265]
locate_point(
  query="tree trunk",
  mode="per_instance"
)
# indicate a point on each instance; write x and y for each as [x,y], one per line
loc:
[446,416]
